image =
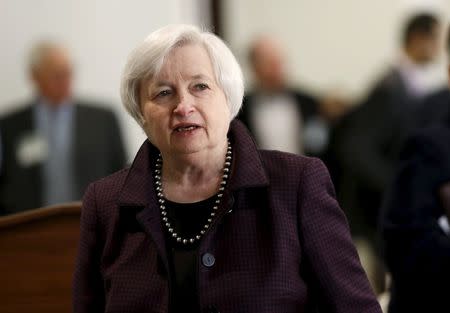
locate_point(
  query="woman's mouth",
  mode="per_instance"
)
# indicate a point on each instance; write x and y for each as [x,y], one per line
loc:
[186,128]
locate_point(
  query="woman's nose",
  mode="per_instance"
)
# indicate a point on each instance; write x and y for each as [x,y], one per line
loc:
[185,104]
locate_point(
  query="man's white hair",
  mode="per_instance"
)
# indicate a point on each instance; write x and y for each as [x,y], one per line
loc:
[147,59]
[40,50]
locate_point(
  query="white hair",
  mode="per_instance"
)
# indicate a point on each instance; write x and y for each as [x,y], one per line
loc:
[40,50]
[147,59]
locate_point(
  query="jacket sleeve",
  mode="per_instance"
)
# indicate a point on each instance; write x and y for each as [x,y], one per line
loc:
[88,293]
[339,282]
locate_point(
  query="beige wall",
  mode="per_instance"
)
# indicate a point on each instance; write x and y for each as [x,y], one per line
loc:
[330,44]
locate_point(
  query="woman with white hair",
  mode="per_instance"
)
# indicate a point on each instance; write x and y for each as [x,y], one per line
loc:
[203,221]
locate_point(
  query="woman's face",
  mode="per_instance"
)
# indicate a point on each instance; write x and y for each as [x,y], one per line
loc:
[184,109]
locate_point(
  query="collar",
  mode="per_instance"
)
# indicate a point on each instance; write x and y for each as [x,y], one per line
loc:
[42,111]
[43,104]
[247,169]
[138,193]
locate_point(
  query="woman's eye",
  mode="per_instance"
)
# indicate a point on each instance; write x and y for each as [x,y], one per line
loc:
[163,93]
[201,86]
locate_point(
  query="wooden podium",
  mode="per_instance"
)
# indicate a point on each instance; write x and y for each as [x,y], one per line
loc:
[38,249]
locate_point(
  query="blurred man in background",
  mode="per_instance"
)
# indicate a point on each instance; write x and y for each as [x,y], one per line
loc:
[279,116]
[56,145]
[415,220]
[415,224]
[372,135]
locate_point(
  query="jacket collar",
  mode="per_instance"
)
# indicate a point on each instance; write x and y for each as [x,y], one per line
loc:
[247,168]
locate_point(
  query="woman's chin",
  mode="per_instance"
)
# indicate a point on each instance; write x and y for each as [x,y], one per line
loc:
[187,148]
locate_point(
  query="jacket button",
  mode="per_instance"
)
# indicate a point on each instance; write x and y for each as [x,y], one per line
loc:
[208,260]
[211,309]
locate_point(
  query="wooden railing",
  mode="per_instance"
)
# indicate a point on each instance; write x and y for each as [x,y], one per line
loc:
[37,254]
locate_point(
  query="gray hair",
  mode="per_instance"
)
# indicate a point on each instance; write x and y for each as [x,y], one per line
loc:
[40,50]
[147,59]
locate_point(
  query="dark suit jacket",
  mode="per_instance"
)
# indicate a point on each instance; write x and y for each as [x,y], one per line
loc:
[416,249]
[280,241]
[434,109]
[97,147]
[307,107]
[369,140]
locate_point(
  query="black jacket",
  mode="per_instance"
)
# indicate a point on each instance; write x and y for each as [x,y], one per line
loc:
[416,249]
[97,147]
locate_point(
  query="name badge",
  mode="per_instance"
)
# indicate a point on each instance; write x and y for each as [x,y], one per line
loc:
[32,149]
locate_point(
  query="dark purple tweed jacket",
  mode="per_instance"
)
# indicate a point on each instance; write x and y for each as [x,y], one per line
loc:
[280,242]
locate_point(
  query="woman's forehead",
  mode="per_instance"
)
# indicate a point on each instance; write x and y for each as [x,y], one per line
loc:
[186,62]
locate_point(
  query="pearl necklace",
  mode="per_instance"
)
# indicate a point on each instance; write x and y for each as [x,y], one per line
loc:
[162,207]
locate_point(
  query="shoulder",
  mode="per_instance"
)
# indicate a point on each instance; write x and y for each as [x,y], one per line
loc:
[434,108]
[391,78]
[433,141]
[93,108]
[95,114]
[441,95]
[16,123]
[17,115]
[302,95]
[289,167]
[107,189]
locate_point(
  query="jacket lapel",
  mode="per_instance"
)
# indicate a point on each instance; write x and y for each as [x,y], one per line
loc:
[247,168]
[138,193]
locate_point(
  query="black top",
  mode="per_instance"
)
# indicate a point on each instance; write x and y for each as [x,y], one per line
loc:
[188,219]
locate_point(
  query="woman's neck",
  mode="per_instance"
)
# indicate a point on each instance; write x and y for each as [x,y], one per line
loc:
[193,177]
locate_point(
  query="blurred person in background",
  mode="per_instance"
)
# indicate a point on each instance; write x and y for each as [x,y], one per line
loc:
[279,116]
[415,227]
[415,219]
[371,136]
[204,221]
[435,108]
[56,145]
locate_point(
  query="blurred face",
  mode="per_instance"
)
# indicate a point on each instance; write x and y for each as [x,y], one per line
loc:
[425,47]
[53,76]
[184,109]
[268,64]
